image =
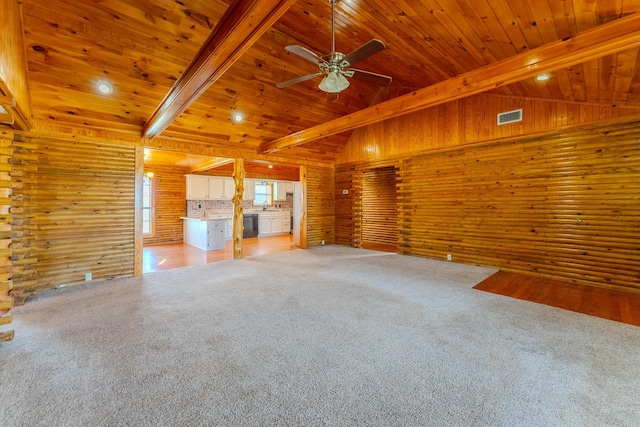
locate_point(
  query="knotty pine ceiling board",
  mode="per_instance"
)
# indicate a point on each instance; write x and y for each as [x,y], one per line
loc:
[143,46]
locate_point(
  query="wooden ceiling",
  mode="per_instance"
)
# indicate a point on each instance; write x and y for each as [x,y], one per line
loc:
[143,46]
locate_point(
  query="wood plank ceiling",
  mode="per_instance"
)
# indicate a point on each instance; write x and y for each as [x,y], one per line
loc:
[143,46]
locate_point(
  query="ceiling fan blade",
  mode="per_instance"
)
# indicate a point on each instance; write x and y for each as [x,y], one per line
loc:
[366,50]
[305,53]
[369,77]
[298,80]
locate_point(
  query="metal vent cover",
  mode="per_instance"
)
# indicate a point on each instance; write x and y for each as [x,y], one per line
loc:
[510,117]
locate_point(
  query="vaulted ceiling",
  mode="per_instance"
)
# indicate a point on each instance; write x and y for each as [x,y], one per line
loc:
[142,47]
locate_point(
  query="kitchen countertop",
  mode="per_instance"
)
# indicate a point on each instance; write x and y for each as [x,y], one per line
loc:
[225,216]
[219,217]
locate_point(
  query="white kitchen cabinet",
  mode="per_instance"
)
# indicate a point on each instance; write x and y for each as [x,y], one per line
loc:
[281,194]
[197,187]
[207,235]
[249,189]
[286,223]
[284,187]
[276,224]
[228,229]
[229,188]
[264,223]
[220,188]
[273,222]
[216,188]
[201,187]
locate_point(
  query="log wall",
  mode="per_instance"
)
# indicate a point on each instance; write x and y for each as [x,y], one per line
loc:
[320,208]
[169,195]
[6,236]
[563,205]
[18,252]
[379,207]
[85,211]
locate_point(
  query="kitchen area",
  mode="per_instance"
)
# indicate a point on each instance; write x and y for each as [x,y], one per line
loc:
[268,208]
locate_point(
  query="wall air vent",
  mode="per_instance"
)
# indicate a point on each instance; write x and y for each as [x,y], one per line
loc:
[510,117]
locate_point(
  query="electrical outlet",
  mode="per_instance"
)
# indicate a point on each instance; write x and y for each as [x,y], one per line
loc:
[448,257]
[88,277]
[323,243]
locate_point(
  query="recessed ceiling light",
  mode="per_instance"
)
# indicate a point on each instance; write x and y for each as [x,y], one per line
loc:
[237,117]
[543,77]
[104,87]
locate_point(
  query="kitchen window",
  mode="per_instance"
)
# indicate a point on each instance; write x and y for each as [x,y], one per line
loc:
[147,205]
[264,194]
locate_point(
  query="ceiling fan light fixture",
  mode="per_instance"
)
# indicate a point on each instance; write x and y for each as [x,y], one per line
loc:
[333,82]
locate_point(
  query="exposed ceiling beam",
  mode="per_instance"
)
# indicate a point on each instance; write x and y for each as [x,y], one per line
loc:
[17,119]
[609,38]
[242,25]
[211,164]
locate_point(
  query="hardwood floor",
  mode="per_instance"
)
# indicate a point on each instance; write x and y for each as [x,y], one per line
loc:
[609,304]
[165,257]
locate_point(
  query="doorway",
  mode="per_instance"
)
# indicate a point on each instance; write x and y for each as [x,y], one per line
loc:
[379,210]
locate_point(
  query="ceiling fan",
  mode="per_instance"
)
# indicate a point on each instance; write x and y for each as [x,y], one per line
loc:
[335,65]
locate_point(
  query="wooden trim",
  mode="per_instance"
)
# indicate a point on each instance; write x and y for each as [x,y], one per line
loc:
[242,25]
[19,119]
[615,36]
[138,236]
[303,213]
[210,164]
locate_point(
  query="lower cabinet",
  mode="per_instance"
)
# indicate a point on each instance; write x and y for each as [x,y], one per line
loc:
[228,229]
[205,235]
[273,222]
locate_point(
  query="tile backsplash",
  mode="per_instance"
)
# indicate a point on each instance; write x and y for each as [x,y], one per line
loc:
[197,208]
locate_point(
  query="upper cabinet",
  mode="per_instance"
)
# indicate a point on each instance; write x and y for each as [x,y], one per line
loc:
[201,187]
[197,187]
[283,188]
[221,188]
[249,189]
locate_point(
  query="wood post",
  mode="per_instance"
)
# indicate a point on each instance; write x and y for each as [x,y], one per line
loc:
[238,208]
[303,208]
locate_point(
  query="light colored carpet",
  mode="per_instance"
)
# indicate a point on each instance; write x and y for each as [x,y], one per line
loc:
[327,336]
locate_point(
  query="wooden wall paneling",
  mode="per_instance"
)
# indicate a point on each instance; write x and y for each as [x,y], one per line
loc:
[320,206]
[379,208]
[169,195]
[86,211]
[6,276]
[564,206]
[469,121]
